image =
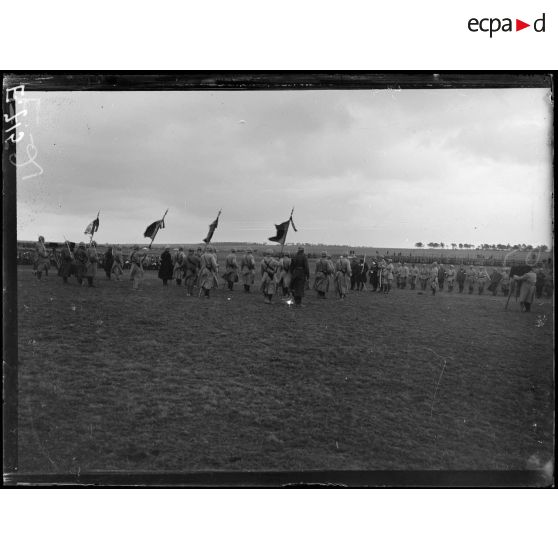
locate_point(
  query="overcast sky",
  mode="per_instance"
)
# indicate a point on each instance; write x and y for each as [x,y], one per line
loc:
[379,168]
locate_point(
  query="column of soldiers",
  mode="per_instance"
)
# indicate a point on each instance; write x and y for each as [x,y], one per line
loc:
[281,275]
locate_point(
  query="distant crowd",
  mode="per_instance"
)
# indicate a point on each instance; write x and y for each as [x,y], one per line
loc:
[283,274]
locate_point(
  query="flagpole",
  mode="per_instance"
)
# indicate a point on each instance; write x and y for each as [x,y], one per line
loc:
[69,249]
[92,231]
[216,219]
[165,214]
[288,225]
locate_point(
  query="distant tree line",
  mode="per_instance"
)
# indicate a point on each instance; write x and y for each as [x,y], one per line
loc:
[461,246]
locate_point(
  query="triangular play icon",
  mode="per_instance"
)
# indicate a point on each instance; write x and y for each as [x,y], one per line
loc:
[519,25]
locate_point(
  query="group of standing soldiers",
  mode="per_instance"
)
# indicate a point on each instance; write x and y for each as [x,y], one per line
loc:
[199,269]
[284,275]
[83,262]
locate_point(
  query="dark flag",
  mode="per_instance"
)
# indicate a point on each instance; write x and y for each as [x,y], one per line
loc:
[93,227]
[153,229]
[212,228]
[282,229]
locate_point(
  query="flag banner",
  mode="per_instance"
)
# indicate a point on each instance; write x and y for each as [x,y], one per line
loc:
[93,227]
[282,229]
[281,232]
[153,229]
[212,228]
[52,244]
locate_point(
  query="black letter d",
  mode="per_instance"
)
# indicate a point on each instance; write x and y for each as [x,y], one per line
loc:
[535,25]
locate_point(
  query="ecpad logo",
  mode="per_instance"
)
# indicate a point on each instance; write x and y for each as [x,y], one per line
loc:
[492,25]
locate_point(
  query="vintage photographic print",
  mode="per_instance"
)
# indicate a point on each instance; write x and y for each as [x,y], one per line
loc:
[268,279]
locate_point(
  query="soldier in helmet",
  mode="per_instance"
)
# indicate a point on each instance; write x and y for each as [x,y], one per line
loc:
[136,269]
[324,270]
[450,276]
[41,258]
[81,262]
[208,273]
[231,270]
[284,279]
[178,264]
[269,268]
[434,274]
[460,277]
[118,264]
[471,278]
[92,261]
[192,266]
[248,270]
[300,273]
[413,274]
[403,275]
[343,275]
[482,278]
[166,269]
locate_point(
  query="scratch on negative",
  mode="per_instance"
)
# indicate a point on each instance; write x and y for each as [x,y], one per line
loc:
[445,359]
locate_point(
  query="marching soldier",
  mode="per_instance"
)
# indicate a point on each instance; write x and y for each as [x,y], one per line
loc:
[324,269]
[388,274]
[343,276]
[374,276]
[381,268]
[482,278]
[136,269]
[285,274]
[495,279]
[355,272]
[397,274]
[362,272]
[231,270]
[471,278]
[207,278]
[118,263]
[41,258]
[450,276]
[403,275]
[460,277]
[66,263]
[541,279]
[527,289]
[108,262]
[423,276]
[92,260]
[166,269]
[178,264]
[441,276]
[192,266]
[248,270]
[268,268]
[81,262]
[434,275]
[300,274]
[413,274]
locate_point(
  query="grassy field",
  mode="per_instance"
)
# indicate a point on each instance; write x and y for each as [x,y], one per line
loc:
[114,379]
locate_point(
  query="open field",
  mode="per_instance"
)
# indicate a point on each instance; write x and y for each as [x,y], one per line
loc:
[112,379]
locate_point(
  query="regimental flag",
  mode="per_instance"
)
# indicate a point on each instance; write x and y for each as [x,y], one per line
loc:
[212,228]
[93,227]
[153,229]
[282,229]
